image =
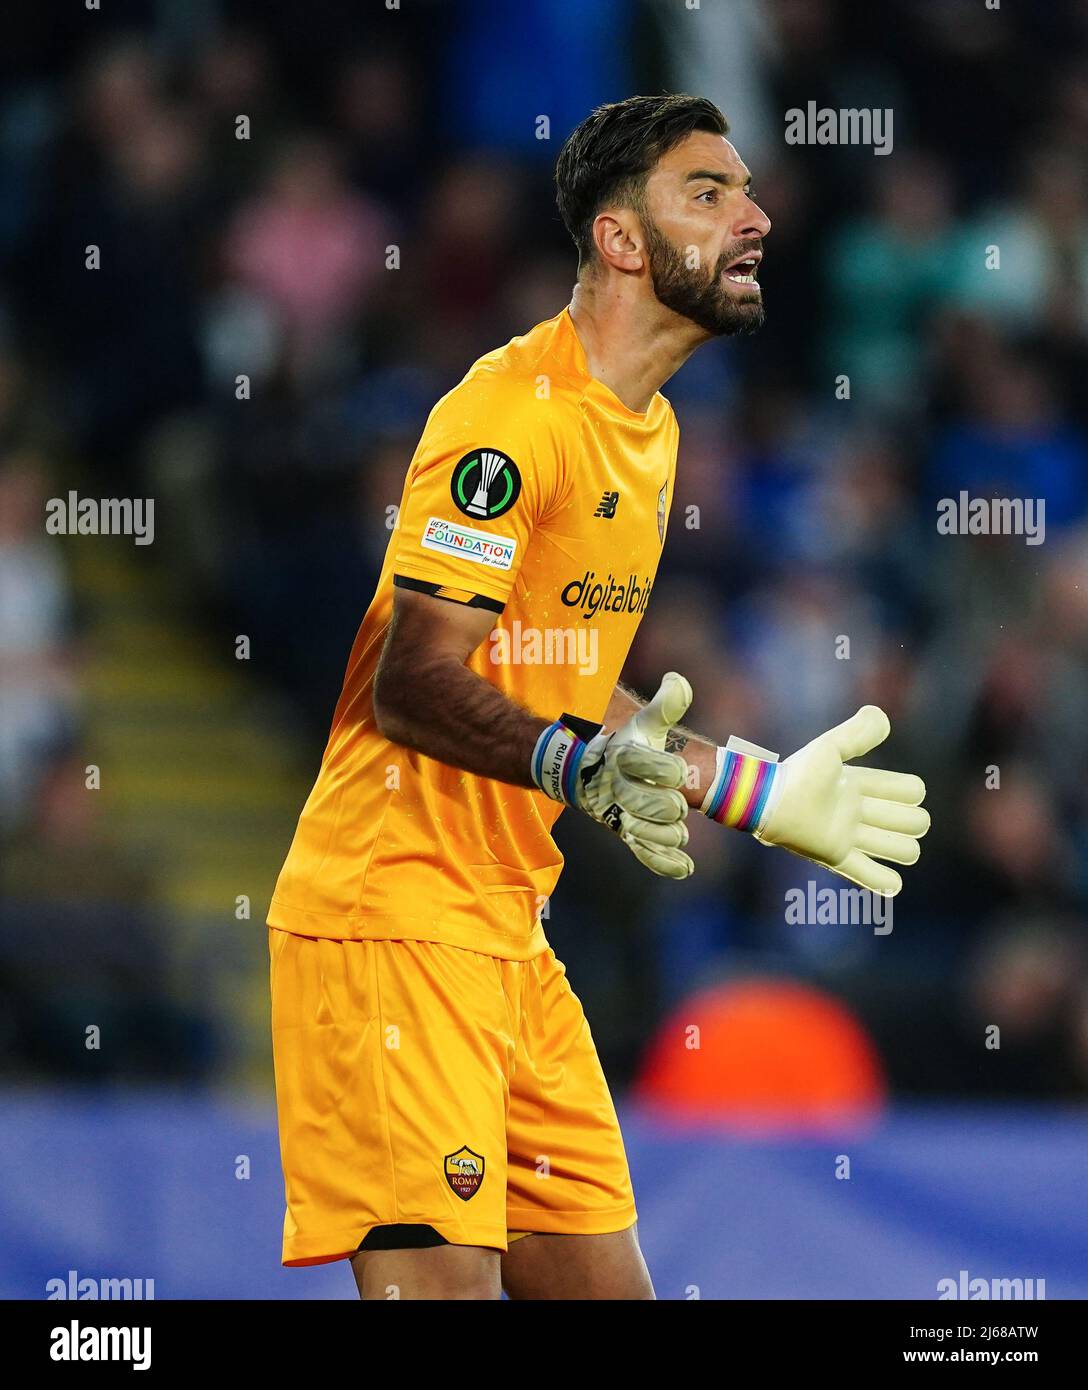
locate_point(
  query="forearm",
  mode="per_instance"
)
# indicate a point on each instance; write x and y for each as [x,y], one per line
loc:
[440,708]
[700,753]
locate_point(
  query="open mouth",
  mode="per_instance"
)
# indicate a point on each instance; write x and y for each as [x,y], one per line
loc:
[744,271]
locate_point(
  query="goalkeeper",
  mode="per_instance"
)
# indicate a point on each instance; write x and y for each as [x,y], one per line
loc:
[445,1123]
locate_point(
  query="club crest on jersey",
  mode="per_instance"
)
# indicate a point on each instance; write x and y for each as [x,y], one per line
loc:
[485,483]
[464,1172]
[661,512]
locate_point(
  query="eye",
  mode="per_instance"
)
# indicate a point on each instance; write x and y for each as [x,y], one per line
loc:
[750,192]
[711,193]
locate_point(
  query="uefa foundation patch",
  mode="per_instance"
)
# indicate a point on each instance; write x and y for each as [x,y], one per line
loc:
[464,1172]
[481,547]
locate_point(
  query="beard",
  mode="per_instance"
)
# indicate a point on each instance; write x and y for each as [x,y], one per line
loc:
[700,297]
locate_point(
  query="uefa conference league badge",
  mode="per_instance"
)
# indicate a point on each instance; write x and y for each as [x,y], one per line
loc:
[486,483]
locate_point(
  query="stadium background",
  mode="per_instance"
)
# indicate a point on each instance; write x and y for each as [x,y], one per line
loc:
[418,128]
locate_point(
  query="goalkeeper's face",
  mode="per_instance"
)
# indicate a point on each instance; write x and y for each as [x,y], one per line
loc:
[704,235]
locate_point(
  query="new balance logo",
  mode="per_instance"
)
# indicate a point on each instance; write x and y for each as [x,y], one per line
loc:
[606,507]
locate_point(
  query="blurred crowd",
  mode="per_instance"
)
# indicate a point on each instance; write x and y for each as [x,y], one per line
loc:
[314,218]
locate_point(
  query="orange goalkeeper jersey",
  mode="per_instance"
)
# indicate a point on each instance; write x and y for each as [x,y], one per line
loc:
[534,493]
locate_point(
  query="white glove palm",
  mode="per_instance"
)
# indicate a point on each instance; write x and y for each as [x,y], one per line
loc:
[847,817]
[630,783]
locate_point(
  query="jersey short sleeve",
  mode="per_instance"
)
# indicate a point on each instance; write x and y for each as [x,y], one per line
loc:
[487,470]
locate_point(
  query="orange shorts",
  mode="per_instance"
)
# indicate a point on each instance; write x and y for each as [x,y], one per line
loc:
[426,1085]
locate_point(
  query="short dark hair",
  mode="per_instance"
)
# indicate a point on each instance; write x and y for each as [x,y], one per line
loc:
[608,158]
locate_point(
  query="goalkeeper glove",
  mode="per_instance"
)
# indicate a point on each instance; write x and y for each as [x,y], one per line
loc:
[844,818]
[625,779]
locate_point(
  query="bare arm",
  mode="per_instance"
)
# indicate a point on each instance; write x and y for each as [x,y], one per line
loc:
[427,699]
[698,752]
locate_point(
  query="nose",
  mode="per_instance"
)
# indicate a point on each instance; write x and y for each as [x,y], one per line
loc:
[753,221]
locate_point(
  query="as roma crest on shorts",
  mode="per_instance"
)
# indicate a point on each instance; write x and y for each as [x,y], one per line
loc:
[464,1172]
[661,496]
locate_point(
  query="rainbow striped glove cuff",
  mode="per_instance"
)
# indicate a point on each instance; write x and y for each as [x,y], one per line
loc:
[818,806]
[743,786]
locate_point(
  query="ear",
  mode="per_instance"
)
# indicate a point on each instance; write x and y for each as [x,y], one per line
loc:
[617,235]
